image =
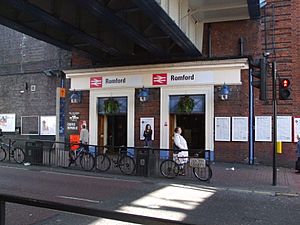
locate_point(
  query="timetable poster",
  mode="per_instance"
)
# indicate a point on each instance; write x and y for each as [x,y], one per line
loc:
[222,128]
[263,128]
[284,128]
[240,128]
[296,127]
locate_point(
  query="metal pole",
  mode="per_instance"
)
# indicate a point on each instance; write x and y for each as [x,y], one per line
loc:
[251,115]
[2,212]
[274,72]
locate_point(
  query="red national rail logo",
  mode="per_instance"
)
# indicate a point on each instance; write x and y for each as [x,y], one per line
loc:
[159,79]
[96,82]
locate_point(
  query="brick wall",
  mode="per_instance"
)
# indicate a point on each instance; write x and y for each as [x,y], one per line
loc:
[286,53]
[82,108]
[22,61]
[20,54]
[151,108]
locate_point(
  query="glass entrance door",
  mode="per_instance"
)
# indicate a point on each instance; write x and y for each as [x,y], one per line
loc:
[117,130]
[193,127]
[112,121]
[188,112]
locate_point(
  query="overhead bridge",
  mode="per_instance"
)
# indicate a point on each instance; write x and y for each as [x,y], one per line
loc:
[113,32]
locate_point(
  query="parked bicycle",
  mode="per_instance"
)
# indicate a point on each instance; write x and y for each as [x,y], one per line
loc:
[86,159]
[125,162]
[171,168]
[15,153]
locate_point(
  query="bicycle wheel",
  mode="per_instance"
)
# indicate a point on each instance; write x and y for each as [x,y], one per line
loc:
[87,161]
[103,162]
[126,165]
[204,173]
[169,168]
[2,154]
[19,155]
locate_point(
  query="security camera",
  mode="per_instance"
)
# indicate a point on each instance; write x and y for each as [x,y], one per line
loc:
[48,73]
[266,54]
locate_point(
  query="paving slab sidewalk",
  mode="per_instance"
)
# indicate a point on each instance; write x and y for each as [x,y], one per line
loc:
[255,177]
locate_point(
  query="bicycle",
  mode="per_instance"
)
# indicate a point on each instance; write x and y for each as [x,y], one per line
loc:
[87,160]
[125,162]
[16,153]
[171,168]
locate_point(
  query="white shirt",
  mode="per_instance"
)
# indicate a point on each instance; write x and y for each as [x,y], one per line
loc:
[180,141]
[84,136]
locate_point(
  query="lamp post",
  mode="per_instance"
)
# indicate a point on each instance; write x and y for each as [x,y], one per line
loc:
[224,92]
[143,95]
[274,99]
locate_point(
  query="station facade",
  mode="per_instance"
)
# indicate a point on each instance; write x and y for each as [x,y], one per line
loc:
[225,61]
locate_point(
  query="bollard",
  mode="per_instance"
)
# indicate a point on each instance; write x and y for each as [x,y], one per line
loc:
[279,147]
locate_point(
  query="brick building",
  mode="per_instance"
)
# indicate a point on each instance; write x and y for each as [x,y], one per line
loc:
[276,32]
[227,39]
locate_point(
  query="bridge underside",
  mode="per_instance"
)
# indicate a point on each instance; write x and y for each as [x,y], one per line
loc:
[110,32]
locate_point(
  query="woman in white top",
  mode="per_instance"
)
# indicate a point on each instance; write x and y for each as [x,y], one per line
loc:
[181,143]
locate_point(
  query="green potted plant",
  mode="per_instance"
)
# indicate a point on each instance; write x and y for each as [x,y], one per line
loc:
[111,106]
[185,104]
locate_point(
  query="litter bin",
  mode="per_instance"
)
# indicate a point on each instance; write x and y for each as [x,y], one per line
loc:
[34,152]
[145,162]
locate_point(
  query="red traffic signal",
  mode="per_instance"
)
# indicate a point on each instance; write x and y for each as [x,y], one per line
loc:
[285,83]
[284,89]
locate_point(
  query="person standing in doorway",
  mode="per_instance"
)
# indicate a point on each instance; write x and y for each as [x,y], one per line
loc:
[148,135]
[180,144]
[298,155]
[84,136]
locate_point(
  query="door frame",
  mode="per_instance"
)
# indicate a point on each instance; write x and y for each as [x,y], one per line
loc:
[208,91]
[93,112]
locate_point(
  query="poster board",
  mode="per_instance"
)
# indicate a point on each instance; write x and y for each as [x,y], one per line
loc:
[143,122]
[240,128]
[284,128]
[263,128]
[29,125]
[48,125]
[8,122]
[222,128]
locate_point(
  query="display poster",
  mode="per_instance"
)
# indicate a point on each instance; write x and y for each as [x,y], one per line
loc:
[263,128]
[296,127]
[74,139]
[29,125]
[222,128]
[239,128]
[284,128]
[143,122]
[72,124]
[8,122]
[48,125]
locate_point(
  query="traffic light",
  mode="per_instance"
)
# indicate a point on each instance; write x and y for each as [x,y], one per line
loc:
[259,71]
[284,89]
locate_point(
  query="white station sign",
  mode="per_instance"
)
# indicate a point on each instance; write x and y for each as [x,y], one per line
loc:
[115,81]
[188,78]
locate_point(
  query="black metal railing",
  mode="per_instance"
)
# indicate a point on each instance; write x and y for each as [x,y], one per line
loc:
[56,154]
[114,215]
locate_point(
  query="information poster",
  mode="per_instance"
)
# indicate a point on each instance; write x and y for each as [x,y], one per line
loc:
[284,128]
[263,128]
[143,122]
[296,127]
[240,128]
[48,125]
[222,128]
[8,122]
